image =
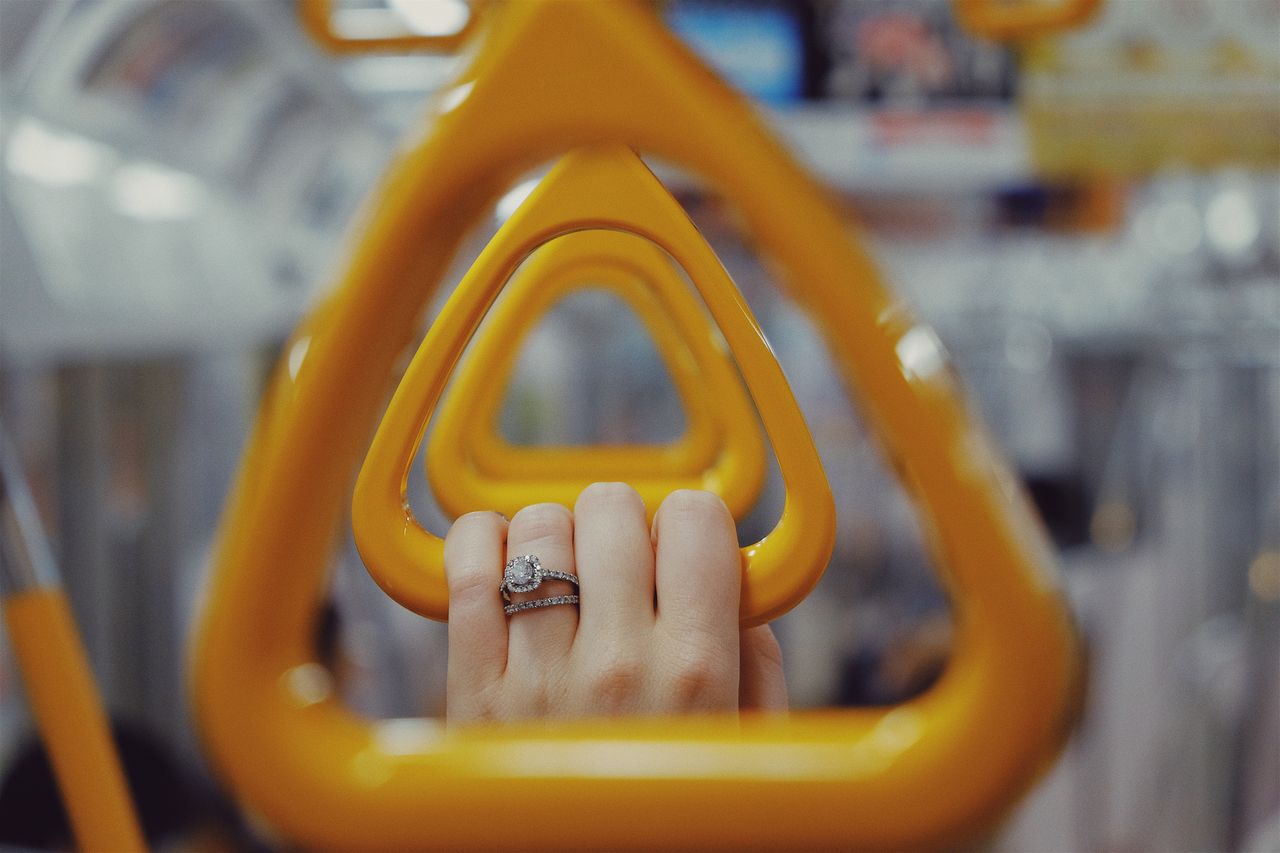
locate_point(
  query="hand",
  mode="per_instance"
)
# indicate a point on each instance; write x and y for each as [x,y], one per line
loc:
[656,631]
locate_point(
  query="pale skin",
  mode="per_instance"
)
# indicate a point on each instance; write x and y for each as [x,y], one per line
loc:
[656,631]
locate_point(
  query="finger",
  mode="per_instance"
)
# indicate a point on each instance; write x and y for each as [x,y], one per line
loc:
[477,629]
[615,562]
[699,568]
[762,685]
[544,635]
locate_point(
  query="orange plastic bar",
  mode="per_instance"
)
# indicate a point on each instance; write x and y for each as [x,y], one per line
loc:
[546,78]
[65,703]
[608,188]
[471,466]
[317,17]
[1008,20]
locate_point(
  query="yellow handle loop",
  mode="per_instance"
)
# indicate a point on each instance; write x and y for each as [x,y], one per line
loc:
[593,189]
[547,78]
[471,466]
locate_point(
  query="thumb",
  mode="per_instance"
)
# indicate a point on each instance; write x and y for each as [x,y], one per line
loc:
[762,686]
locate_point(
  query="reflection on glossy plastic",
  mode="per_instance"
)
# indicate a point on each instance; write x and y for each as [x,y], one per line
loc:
[547,78]
[606,188]
[437,25]
[472,466]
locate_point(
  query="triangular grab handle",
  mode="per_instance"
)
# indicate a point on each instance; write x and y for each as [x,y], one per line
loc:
[595,188]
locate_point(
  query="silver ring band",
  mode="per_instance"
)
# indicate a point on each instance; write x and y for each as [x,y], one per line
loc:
[512,609]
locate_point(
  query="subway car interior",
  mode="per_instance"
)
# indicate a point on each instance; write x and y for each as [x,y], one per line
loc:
[967,310]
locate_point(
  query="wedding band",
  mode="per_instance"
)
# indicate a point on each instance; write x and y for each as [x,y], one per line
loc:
[540,602]
[525,574]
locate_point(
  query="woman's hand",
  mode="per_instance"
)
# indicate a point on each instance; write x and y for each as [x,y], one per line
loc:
[656,631]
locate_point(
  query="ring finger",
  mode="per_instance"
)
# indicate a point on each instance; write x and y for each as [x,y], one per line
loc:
[545,634]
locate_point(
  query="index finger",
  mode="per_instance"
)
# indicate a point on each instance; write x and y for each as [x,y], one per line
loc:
[473,559]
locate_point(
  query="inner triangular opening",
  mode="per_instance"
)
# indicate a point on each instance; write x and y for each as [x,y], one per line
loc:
[589,374]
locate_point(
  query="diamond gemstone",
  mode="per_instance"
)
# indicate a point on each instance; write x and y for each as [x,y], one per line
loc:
[522,571]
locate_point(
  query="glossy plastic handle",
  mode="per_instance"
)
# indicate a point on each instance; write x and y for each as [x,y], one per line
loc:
[472,466]
[55,671]
[934,772]
[607,188]
[1007,20]
[317,18]
[646,281]
[73,723]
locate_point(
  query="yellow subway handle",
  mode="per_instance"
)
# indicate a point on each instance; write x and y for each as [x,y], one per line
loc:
[471,466]
[937,771]
[605,188]
[317,18]
[1008,20]
[645,280]
[55,671]
[73,725]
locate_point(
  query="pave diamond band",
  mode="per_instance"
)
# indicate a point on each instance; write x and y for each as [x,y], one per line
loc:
[525,574]
[540,602]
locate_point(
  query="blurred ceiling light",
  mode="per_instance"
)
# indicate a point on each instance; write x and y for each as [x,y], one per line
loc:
[432,17]
[398,73]
[54,158]
[515,197]
[359,24]
[1231,222]
[395,18]
[152,192]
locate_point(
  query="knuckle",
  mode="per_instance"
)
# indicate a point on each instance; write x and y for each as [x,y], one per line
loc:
[472,584]
[615,684]
[696,675]
[695,505]
[540,521]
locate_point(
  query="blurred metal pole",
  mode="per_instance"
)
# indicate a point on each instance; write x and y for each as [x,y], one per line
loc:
[1255,752]
[159,401]
[82,534]
[26,560]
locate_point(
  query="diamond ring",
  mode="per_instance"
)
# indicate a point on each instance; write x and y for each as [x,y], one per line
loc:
[525,574]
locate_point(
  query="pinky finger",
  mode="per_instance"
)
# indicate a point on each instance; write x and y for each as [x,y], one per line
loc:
[762,686]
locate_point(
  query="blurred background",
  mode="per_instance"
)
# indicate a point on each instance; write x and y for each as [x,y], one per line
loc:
[1090,221]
